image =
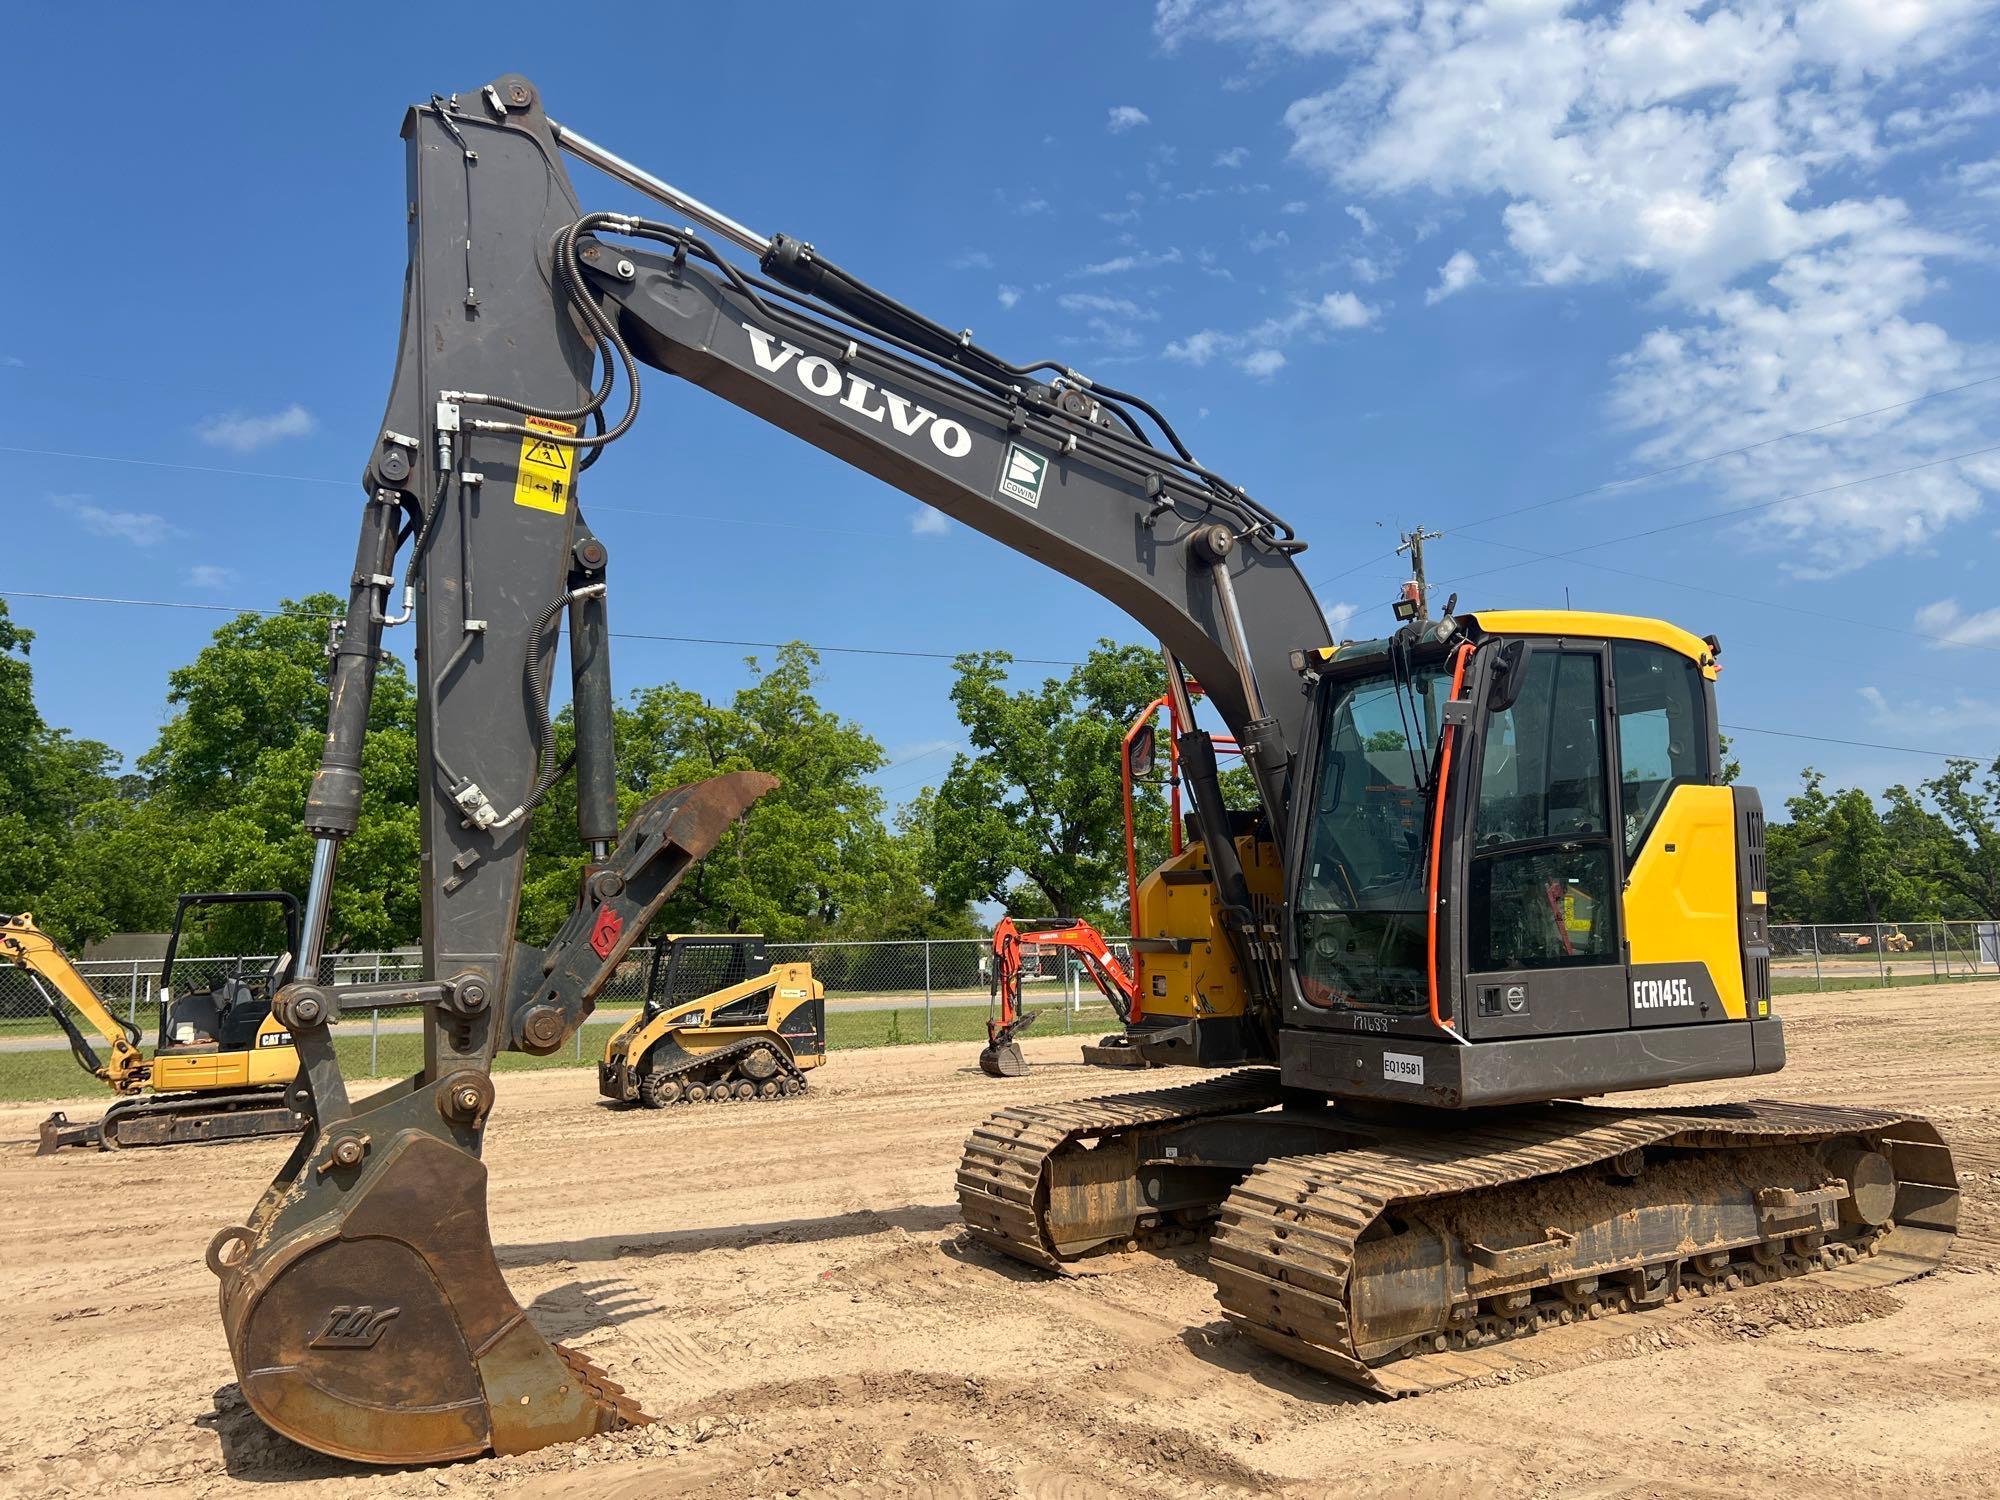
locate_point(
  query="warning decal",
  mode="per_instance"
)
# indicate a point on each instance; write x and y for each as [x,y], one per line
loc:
[547,469]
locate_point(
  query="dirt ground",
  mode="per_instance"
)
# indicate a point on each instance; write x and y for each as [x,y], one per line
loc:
[785,1286]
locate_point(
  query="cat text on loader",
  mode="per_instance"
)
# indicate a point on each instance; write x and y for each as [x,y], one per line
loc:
[1491,867]
[222,1064]
[720,1022]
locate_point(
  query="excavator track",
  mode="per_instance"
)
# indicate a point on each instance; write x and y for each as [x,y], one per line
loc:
[695,1080]
[177,1120]
[1359,1262]
[1013,1188]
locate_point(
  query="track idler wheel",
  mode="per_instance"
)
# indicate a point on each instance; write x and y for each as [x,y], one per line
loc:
[380,1328]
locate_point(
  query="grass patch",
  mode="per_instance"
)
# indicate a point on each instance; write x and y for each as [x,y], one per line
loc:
[28,1076]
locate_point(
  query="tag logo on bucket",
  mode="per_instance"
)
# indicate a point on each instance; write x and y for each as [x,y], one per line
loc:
[353,1327]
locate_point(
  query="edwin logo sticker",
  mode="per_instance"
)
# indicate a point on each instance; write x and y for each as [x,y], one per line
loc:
[1022,478]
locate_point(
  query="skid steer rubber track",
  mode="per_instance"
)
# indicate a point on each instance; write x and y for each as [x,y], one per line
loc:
[1344,1261]
[1007,1190]
[695,1080]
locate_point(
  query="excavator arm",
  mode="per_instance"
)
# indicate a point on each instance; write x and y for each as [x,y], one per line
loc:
[364,1309]
[28,948]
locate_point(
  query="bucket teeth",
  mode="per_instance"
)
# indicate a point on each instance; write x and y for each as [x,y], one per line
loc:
[623,1412]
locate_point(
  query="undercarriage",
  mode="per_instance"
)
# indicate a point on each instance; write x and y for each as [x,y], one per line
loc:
[1393,1248]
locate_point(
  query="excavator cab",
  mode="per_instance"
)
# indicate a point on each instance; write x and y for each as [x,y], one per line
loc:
[221,1004]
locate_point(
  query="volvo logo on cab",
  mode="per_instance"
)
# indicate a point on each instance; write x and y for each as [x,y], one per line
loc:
[824,378]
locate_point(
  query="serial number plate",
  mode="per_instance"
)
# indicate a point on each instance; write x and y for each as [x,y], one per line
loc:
[1402,1067]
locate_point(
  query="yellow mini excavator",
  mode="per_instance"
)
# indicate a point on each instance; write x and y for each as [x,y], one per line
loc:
[222,1064]
[720,1022]
[1491,865]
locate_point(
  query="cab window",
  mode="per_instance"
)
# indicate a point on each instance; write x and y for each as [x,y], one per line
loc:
[1662,733]
[1541,893]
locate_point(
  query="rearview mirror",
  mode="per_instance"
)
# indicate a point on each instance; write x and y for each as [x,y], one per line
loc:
[1144,753]
[1510,671]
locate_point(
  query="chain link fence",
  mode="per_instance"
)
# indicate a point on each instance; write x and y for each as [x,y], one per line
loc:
[896,976]
[1870,955]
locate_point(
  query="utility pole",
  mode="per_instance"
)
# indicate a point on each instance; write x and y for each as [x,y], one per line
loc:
[1413,543]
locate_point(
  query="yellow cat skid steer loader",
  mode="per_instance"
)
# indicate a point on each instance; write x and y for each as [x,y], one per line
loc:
[720,1022]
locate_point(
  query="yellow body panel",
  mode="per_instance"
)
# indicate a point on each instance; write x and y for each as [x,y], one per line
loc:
[1176,901]
[272,1061]
[790,986]
[1594,626]
[1680,897]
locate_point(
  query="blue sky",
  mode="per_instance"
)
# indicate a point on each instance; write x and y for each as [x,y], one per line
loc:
[1384,264]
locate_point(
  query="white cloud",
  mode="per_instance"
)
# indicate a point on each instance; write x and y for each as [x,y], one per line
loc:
[210,576]
[1144,260]
[927,522]
[1339,617]
[142,528]
[1721,155]
[1344,310]
[1945,618]
[13,362]
[1126,117]
[1295,206]
[971,260]
[1336,312]
[1008,295]
[1264,240]
[1233,158]
[1454,276]
[1109,318]
[1958,714]
[241,433]
[1360,216]
[1364,270]
[1262,363]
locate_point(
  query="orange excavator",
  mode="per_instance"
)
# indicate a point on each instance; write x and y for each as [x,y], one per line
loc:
[1014,941]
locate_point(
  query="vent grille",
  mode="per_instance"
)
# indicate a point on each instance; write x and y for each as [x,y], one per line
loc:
[1753,841]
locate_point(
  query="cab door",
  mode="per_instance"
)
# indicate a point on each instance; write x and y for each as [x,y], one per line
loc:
[1541,929]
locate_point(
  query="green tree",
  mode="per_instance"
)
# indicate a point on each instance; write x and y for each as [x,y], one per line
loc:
[1034,816]
[813,858]
[1956,848]
[54,790]
[226,783]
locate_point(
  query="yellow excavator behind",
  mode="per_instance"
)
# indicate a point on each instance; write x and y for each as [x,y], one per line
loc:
[222,1064]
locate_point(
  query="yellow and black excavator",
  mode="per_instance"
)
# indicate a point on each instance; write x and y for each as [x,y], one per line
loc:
[720,1022]
[1491,865]
[222,1065]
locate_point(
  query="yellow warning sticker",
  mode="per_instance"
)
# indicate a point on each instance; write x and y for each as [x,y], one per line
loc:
[548,469]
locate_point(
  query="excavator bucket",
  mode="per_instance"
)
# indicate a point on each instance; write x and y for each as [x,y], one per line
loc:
[364,1308]
[1001,1056]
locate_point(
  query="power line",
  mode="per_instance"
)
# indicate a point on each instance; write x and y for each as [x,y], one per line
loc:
[629,635]
[595,507]
[1824,739]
